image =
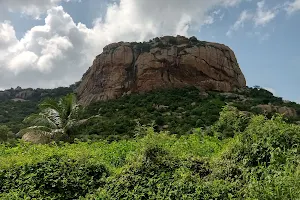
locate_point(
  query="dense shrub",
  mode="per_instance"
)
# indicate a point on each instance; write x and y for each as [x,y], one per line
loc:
[186,108]
[5,134]
[54,178]
[166,107]
[259,161]
[231,122]
[155,174]
[267,142]
[227,154]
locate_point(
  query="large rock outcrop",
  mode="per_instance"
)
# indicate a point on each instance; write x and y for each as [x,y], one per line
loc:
[125,68]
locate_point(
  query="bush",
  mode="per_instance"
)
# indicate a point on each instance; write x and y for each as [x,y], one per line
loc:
[54,178]
[246,157]
[155,174]
[5,134]
[231,122]
[267,142]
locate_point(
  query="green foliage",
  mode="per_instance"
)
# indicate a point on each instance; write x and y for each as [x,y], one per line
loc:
[118,116]
[56,118]
[175,110]
[259,161]
[12,113]
[142,47]
[54,178]
[5,134]
[218,151]
[172,108]
[262,96]
[231,122]
[268,142]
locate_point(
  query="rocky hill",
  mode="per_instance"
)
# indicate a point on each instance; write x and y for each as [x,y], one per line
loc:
[18,103]
[19,94]
[178,111]
[167,62]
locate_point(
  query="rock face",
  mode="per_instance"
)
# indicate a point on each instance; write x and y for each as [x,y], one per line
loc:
[25,94]
[166,62]
[36,138]
[286,111]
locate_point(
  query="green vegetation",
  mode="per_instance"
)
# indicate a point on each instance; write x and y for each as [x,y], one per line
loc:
[167,144]
[141,47]
[258,160]
[56,119]
[175,110]
[178,111]
[5,134]
[12,113]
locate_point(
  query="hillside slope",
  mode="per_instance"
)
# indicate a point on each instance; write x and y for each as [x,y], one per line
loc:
[18,103]
[239,157]
[177,111]
[174,110]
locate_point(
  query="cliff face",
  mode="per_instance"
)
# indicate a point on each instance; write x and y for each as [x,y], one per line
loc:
[166,62]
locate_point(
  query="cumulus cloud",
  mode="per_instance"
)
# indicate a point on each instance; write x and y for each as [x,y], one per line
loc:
[7,34]
[60,51]
[29,7]
[7,40]
[47,56]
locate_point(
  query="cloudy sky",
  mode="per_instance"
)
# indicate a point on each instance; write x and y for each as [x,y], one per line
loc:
[50,43]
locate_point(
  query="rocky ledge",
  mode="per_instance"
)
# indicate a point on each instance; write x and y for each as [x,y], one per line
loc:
[167,62]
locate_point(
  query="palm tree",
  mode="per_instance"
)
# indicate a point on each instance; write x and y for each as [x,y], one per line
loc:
[56,119]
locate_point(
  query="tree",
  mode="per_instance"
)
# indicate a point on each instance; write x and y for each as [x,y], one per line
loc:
[56,118]
[5,133]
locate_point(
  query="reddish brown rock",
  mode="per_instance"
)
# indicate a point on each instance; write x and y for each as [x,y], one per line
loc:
[165,62]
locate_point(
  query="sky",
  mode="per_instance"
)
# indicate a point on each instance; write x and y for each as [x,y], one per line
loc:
[51,43]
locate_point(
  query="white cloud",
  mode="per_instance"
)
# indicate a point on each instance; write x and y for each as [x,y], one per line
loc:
[7,40]
[244,16]
[293,6]
[209,20]
[60,51]
[215,15]
[232,2]
[263,15]
[29,7]
[25,59]
[7,35]
[48,55]
[260,17]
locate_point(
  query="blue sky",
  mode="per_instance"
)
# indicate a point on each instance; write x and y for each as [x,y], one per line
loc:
[53,42]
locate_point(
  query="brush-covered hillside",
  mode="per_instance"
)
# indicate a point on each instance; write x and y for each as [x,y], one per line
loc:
[166,144]
[177,111]
[238,155]
[18,103]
